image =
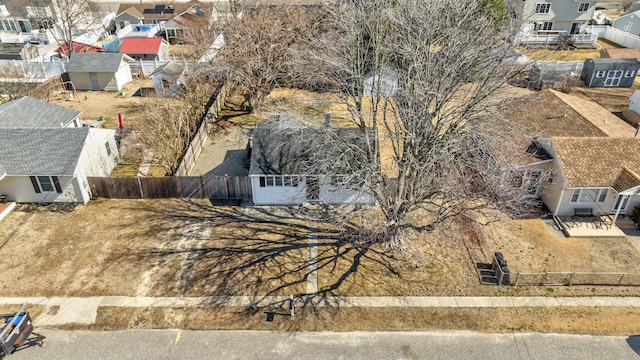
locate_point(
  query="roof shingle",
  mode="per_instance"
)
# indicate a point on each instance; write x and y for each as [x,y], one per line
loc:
[28,112]
[95,62]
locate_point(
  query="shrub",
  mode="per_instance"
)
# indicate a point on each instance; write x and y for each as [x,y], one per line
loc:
[635,215]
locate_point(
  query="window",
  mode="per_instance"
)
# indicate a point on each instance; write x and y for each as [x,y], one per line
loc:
[154,21]
[108,148]
[531,182]
[583,7]
[542,8]
[45,184]
[589,195]
[550,177]
[9,25]
[627,26]
[279,181]
[171,32]
[629,73]
[600,73]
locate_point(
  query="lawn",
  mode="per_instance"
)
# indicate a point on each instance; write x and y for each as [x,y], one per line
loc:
[568,55]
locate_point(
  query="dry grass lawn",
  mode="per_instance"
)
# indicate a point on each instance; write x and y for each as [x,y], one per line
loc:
[528,246]
[568,55]
[612,99]
[578,320]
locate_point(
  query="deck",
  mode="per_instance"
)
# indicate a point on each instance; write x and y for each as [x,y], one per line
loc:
[6,208]
[594,226]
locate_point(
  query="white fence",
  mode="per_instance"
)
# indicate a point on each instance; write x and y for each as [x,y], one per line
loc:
[139,30]
[617,36]
[551,39]
[30,71]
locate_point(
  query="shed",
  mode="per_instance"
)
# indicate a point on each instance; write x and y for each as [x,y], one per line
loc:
[610,72]
[99,71]
[154,48]
[166,79]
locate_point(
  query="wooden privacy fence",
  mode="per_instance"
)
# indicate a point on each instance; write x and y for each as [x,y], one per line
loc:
[199,187]
[576,278]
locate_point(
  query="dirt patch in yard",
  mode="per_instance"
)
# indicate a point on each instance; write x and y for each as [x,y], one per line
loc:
[579,320]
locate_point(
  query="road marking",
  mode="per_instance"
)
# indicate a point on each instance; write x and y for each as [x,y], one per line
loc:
[178,336]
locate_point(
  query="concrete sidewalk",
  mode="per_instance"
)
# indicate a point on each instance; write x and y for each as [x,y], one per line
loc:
[83,310]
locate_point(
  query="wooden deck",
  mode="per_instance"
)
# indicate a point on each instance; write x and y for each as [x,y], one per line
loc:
[6,208]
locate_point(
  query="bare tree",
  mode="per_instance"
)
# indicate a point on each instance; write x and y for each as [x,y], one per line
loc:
[259,46]
[419,78]
[170,125]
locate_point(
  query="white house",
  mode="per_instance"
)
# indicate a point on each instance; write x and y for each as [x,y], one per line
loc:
[293,163]
[554,21]
[45,165]
[28,112]
[99,71]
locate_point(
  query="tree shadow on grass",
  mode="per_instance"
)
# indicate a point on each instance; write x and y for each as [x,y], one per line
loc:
[264,254]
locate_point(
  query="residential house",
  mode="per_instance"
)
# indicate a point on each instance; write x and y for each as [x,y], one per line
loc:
[28,112]
[556,22]
[192,18]
[99,71]
[45,165]
[629,22]
[16,17]
[574,168]
[18,51]
[610,72]
[145,48]
[291,162]
[155,13]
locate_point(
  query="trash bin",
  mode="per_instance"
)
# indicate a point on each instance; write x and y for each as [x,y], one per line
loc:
[506,276]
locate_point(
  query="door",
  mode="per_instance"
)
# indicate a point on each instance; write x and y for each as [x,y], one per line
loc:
[94,81]
[613,78]
[25,25]
[313,188]
[625,202]
[575,28]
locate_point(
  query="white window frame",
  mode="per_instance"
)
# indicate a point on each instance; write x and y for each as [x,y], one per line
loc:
[629,73]
[600,73]
[627,26]
[42,190]
[547,26]
[542,8]
[9,25]
[278,181]
[531,182]
[578,196]
[580,10]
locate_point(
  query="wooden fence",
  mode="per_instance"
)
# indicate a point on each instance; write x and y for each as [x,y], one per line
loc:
[199,187]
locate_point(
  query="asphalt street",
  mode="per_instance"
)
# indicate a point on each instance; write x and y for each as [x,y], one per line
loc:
[178,344]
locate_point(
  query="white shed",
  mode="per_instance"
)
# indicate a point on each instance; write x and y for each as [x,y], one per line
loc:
[99,71]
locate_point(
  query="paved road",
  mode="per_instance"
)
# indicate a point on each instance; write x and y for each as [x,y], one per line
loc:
[176,344]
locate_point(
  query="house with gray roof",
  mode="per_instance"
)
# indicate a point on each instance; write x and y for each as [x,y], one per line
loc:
[293,162]
[46,165]
[99,71]
[28,112]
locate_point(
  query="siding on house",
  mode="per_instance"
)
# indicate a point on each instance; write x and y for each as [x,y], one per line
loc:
[561,12]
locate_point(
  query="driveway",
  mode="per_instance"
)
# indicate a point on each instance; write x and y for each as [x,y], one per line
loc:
[224,153]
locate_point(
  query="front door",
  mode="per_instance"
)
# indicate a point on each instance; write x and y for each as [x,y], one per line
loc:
[625,202]
[94,81]
[613,78]
[313,188]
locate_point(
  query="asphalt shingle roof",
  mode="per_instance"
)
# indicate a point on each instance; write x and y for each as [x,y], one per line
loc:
[599,161]
[141,45]
[53,151]
[28,112]
[98,62]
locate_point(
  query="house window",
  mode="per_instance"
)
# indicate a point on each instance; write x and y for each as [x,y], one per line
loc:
[600,73]
[154,21]
[550,177]
[531,181]
[9,25]
[108,148]
[266,181]
[583,7]
[171,32]
[45,184]
[589,195]
[627,26]
[547,25]
[629,73]
[542,8]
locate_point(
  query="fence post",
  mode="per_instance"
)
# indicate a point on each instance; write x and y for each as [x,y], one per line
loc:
[202,188]
[573,275]
[544,278]
[226,181]
[517,278]
[140,187]
[620,281]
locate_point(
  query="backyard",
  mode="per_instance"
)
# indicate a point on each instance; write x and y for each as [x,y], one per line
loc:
[547,54]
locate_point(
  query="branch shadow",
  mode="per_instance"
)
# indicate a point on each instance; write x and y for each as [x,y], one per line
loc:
[264,254]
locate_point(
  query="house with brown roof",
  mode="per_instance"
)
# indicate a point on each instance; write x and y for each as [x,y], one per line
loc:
[582,156]
[151,13]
